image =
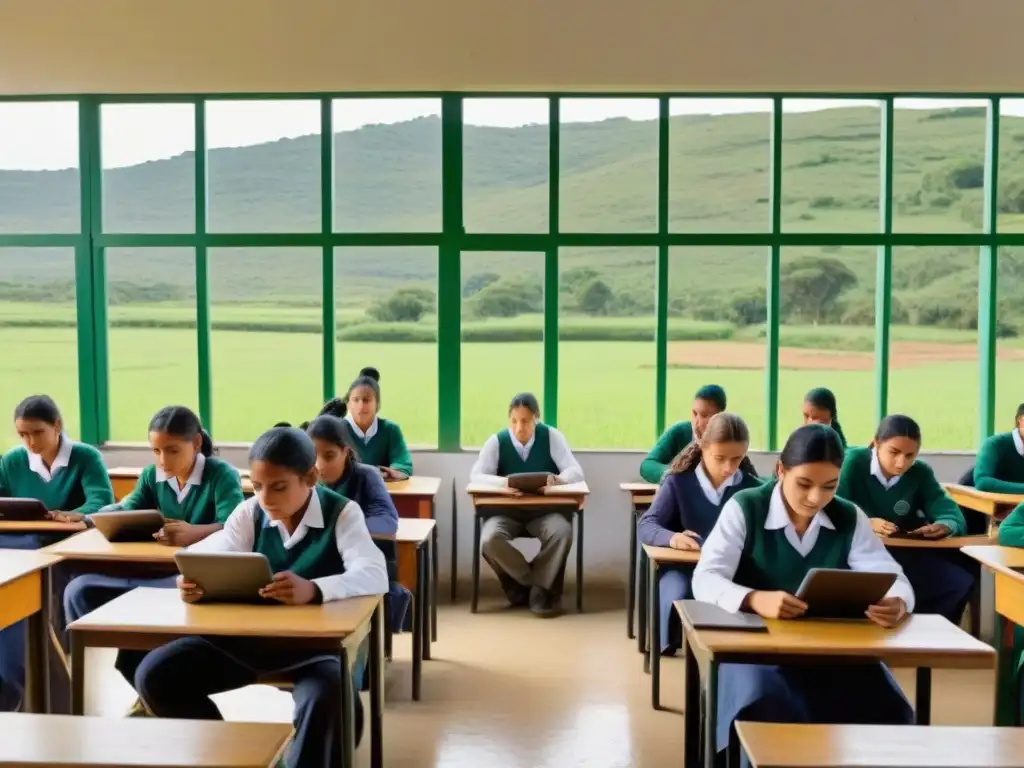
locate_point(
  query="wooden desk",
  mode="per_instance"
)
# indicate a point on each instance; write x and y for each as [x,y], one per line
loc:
[49,741]
[24,595]
[92,545]
[40,526]
[414,498]
[996,505]
[144,619]
[641,496]
[415,537]
[923,641]
[124,479]
[950,542]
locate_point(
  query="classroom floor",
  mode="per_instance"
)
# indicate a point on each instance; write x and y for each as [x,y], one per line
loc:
[507,690]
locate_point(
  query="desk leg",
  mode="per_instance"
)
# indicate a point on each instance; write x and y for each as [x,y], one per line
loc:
[435,574]
[641,614]
[711,715]
[691,708]
[579,560]
[631,576]
[78,673]
[923,696]
[454,565]
[348,705]
[654,631]
[430,579]
[376,664]
[1007,697]
[418,619]
[35,662]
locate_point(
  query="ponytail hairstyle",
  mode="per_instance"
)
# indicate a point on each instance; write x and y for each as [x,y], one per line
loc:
[525,400]
[822,398]
[182,423]
[713,394]
[897,425]
[723,427]
[335,407]
[369,378]
[812,444]
[38,408]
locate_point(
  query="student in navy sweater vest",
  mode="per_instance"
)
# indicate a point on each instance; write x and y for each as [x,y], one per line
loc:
[697,484]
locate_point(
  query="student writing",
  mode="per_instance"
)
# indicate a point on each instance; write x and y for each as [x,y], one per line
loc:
[765,542]
[999,467]
[700,480]
[320,550]
[820,408]
[709,400]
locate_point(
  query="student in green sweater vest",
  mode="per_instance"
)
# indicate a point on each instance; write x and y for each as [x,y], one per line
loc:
[319,550]
[820,408]
[70,480]
[709,400]
[900,494]
[526,445]
[999,467]
[765,542]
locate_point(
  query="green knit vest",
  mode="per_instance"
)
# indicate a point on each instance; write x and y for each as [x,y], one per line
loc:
[317,554]
[537,460]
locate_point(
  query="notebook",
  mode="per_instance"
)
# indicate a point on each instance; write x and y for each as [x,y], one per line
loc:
[710,616]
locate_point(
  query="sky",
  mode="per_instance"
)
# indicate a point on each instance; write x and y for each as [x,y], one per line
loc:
[44,135]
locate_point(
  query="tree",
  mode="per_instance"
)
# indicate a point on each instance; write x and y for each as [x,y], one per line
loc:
[400,307]
[594,297]
[476,283]
[750,308]
[810,285]
[572,279]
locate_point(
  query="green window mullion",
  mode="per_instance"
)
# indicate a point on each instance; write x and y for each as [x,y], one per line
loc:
[988,279]
[85,293]
[203,318]
[551,267]
[772,298]
[883,267]
[661,281]
[92,222]
[449,294]
[330,320]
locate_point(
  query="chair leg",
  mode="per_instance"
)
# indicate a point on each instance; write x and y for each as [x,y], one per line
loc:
[579,561]
[475,587]
[454,586]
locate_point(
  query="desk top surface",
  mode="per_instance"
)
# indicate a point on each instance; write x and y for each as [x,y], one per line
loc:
[92,545]
[639,488]
[416,485]
[15,563]
[568,490]
[667,555]
[161,611]
[39,526]
[997,557]
[951,542]
[414,529]
[955,489]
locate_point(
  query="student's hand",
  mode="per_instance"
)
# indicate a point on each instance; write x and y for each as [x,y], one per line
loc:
[553,480]
[65,517]
[775,605]
[887,612]
[289,589]
[177,533]
[389,473]
[189,592]
[512,491]
[934,531]
[883,527]
[686,541]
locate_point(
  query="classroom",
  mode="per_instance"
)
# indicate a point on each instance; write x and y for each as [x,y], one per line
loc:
[552,303]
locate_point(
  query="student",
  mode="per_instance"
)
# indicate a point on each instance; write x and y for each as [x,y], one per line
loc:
[191,488]
[820,408]
[320,550]
[699,481]
[1000,464]
[69,478]
[765,542]
[900,493]
[527,445]
[709,400]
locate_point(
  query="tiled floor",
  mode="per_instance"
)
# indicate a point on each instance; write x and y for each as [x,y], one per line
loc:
[505,690]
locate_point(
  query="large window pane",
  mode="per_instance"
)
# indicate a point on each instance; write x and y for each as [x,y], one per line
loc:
[1010,332]
[37,333]
[263,163]
[1011,166]
[938,165]
[505,165]
[933,369]
[148,157]
[151,296]
[606,324]
[719,159]
[502,337]
[827,335]
[830,165]
[387,165]
[39,184]
[716,331]
[267,341]
[609,164]
[386,304]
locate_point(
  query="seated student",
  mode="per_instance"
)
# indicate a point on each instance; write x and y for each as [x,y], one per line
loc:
[899,492]
[189,486]
[709,400]
[699,481]
[820,408]
[765,542]
[320,550]
[999,467]
[380,442]
[527,445]
[70,480]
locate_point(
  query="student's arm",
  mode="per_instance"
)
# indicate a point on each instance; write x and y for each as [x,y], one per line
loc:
[868,553]
[1011,530]
[366,572]
[655,526]
[485,471]
[937,506]
[987,466]
[5,487]
[227,493]
[398,452]
[378,508]
[719,559]
[846,474]
[569,470]
[237,535]
[96,486]
[661,455]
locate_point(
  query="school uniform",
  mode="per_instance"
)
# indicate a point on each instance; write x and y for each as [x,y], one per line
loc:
[669,445]
[686,501]
[999,467]
[331,547]
[381,445]
[503,455]
[76,481]
[212,491]
[942,580]
[755,546]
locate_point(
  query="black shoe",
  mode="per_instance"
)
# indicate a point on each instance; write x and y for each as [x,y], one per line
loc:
[541,603]
[517,594]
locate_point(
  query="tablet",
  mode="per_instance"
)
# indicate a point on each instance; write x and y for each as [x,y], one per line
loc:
[124,526]
[22,509]
[905,535]
[835,593]
[528,482]
[226,577]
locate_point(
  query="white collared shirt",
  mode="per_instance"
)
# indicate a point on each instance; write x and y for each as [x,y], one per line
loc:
[365,570]
[485,471]
[712,494]
[366,436]
[720,555]
[62,459]
[1018,441]
[879,475]
[196,478]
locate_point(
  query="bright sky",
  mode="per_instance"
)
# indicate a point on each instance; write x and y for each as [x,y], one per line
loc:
[44,135]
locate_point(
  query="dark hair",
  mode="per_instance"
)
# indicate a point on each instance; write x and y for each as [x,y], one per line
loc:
[897,425]
[525,400]
[332,430]
[368,377]
[722,428]
[1020,412]
[822,398]
[181,422]
[811,444]
[38,408]
[713,394]
[335,407]
[287,447]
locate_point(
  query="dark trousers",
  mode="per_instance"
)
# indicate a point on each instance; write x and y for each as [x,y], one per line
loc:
[942,580]
[177,680]
[674,584]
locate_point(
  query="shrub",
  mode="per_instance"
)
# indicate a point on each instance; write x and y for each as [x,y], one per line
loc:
[594,297]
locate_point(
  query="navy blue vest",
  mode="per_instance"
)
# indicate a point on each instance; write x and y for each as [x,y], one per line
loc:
[695,512]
